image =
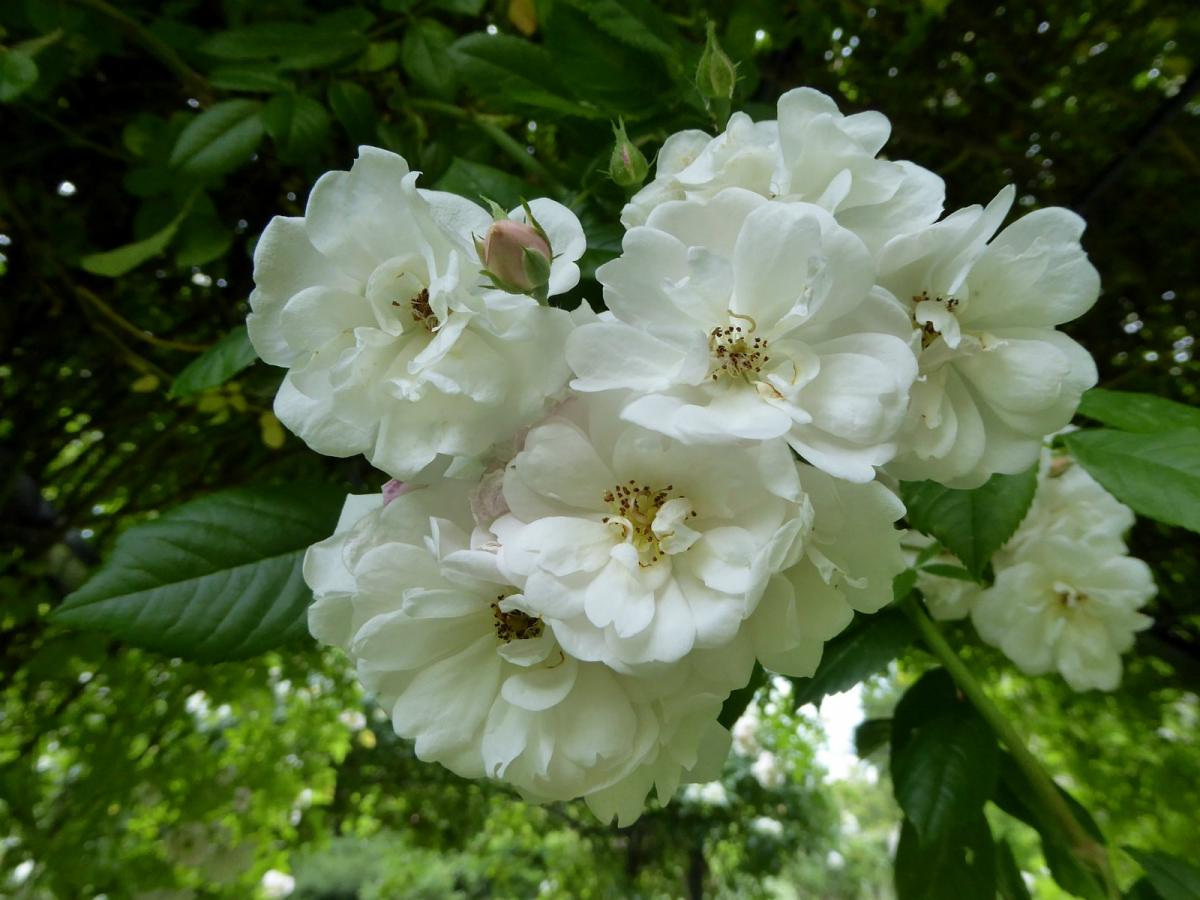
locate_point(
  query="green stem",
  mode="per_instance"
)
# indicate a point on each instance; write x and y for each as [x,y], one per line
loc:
[192,80]
[501,138]
[1091,852]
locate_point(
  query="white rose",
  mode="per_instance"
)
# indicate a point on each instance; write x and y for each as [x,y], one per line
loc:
[812,153]
[1068,607]
[395,347]
[637,548]
[995,374]
[849,560]
[767,771]
[412,592]
[738,319]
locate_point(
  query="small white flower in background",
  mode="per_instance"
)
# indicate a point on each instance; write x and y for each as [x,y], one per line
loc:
[835,860]
[353,719]
[995,373]
[1070,503]
[1069,608]
[766,826]
[745,732]
[275,884]
[396,346]
[639,549]
[767,771]
[710,793]
[812,153]
[741,319]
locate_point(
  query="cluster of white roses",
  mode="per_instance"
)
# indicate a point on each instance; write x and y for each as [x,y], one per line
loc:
[599,522]
[1067,594]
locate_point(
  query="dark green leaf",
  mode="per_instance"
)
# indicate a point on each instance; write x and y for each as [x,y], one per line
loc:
[202,236]
[736,703]
[514,71]
[961,867]
[354,109]
[220,139]
[217,578]
[255,79]
[1131,411]
[18,73]
[461,7]
[971,524]
[872,735]
[1015,796]
[216,365]
[1156,474]
[866,647]
[114,263]
[295,46]
[425,56]
[475,180]
[1172,877]
[945,771]
[297,124]
[1009,883]
[635,22]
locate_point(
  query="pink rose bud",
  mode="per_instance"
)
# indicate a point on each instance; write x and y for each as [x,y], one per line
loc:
[394,489]
[517,256]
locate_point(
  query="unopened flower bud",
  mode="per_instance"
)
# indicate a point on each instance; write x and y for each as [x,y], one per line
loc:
[517,256]
[717,74]
[627,166]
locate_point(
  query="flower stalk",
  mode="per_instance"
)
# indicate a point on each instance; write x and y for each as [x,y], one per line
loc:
[1086,848]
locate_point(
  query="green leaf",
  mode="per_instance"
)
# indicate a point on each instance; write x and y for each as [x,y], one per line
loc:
[354,109]
[215,579]
[115,263]
[961,867]
[297,124]
[425,56]
[294,45]
[971,524]
[866,647]
[1156,474]
[1009,883]
[216,365]
[945,770]
[736,703]
[202,236]
[261,79]
[475,180]
[1131,411]
[1015,796]
[461,7]
[634,22]
[872,735]
[512,71]
[220,139]
[1173,878]
[596,67]
[944,757]
[18,73]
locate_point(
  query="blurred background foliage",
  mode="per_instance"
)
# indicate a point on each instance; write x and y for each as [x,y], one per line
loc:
[145,146]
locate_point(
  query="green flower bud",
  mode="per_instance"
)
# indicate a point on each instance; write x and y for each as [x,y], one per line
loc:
[717,74]
[627,166]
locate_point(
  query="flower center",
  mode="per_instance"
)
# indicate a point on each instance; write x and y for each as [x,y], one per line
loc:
[929,332]
[422,314]
[514,625]
[1068,597]
[734,352]
[636,507]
